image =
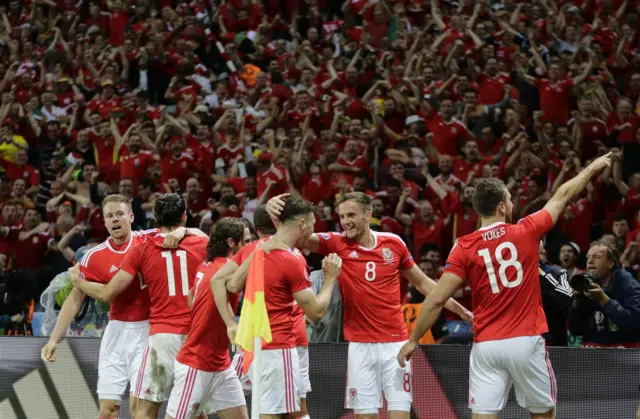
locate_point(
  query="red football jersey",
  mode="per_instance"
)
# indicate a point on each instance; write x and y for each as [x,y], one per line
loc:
[101,263]
[370,286]
[300,329]
[500,264]
[207,345]
[169,275]
[285,273]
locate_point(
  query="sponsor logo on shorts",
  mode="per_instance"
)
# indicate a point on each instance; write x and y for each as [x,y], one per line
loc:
[353,394]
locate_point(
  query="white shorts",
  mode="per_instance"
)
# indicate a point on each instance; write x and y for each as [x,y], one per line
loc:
[155,377]
[280,392]
[192,389]
[522,362]
[121,350]
[236,363]
[372,369]
[305,382]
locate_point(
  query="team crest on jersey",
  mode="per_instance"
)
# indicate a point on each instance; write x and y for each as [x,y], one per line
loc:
[387,254]
[353,394]
[194,409]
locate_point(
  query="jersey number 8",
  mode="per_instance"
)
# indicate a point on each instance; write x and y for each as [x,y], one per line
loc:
[512,261]
[370,271]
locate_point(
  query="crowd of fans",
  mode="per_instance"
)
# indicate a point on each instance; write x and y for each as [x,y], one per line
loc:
[231,103]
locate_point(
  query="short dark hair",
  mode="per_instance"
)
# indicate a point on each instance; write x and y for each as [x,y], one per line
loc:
[620,218]
[263,222]
[169,209]
[224,229]
[359,198]
[294,207]
[488,195]
[145,182]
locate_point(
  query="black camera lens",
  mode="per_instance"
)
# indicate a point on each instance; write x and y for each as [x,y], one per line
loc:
[582,282]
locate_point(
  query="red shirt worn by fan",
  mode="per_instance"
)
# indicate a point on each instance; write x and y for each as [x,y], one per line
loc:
[102,262]
[169,275]
[207,345]
[500,264]
[299,327]
[370,285]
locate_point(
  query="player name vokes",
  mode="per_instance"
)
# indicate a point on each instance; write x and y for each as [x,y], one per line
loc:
[493,234]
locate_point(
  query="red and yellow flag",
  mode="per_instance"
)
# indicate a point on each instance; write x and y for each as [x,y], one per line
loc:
[254,320]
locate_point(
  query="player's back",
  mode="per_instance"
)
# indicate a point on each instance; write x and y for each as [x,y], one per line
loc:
[298,315]
[285,273]
[169,275]
[207,345]
[102,262]
[500,263]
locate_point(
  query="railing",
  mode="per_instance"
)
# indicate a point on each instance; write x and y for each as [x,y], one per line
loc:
[592,383]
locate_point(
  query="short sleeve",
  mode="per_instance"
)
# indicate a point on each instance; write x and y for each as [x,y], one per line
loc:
[132,261]
[406,260]
[298,277]
[328,243]
[537,224]
[88,270]
[456,263]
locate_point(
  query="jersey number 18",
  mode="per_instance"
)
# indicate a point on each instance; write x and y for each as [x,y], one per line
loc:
[511,261]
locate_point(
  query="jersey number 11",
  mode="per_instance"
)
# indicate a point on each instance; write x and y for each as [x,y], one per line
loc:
[184,273]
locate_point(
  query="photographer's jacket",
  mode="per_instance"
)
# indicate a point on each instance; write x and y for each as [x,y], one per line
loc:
[617,323]
[557,297]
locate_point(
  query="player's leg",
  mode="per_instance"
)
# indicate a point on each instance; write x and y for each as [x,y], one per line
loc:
[237,363]
[280,383]
[364,386]
[489,382]
[305,383]
[396,381]
[189,389]
[155,377]
[227,395]
[533,377]
[136,336]
[112,371]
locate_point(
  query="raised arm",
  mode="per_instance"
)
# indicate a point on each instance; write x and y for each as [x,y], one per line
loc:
[575,186]
[315,307]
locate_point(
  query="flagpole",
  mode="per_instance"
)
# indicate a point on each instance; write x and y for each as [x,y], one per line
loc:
[256,377]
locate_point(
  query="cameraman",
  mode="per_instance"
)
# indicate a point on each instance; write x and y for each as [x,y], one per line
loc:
[606,306]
